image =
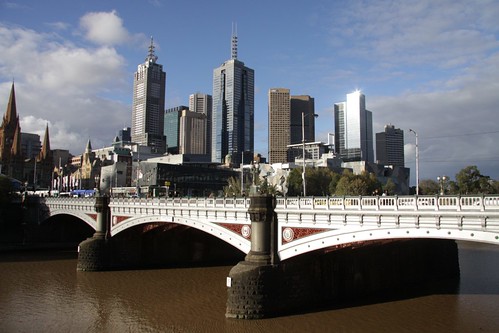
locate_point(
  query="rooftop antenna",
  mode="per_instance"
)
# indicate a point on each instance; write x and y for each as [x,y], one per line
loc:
[151,57]
[234,42]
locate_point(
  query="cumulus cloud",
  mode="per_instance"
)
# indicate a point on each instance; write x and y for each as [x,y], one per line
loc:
[104,28]
[65,86]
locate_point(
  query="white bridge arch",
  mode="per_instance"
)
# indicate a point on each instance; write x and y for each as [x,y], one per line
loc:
[311,223]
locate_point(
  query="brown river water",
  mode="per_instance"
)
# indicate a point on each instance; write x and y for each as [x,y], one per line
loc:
[42,292]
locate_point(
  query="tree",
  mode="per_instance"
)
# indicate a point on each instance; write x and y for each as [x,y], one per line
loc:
[469,180]
[364,184]
[335,178]
[429,187]
[319,180]
[295,185]
[233,187]
[389,187]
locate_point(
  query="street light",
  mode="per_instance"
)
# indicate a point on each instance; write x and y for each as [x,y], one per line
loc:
[441,181]
[303,144]
[417,161]
[97,184]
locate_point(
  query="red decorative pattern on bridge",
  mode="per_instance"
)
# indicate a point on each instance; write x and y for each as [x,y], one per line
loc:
[241,229]
[93,216]
[119,219]
[291,234]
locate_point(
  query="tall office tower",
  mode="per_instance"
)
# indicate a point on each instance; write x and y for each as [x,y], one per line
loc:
[233,110]
[172,128]
[302,104]
[30,145]
[203,103]
[192,138]
[354,129]
[279,125]
[390,146]
[149,103]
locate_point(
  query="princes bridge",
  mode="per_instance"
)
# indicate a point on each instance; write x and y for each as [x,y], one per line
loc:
[305,224]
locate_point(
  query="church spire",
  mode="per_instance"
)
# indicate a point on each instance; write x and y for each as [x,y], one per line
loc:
[15,150]
[45,152]
[88,149]
[11,113]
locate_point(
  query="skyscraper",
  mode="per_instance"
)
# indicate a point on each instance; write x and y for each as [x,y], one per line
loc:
[149,103]
[233,110]
[302,104]
[172,128]
[192,138]
[203,103]
[354,129]
[286,114]
[390,146]
[279,125]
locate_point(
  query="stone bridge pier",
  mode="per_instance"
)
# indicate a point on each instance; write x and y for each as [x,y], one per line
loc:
[94,254]
[262,286]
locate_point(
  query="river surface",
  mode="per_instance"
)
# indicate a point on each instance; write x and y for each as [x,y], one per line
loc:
[43,292]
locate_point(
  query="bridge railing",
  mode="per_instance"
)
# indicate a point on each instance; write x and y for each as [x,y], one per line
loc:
[333,203]
[217,203]
[420,203]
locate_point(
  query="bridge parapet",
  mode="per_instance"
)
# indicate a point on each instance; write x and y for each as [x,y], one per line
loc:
[456,203]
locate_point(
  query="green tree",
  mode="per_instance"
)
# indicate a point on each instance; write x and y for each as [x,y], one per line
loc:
[233,187]
[335,178]
[363,184]
[389,187]
[470,180]
[318,181]
[429,187]
[295,186]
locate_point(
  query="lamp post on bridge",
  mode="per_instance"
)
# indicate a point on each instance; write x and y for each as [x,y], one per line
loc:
[303,148]
[417,160]
[442,182]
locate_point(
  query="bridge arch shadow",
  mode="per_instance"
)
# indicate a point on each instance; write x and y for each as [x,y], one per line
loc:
[160,244]
[61,228]
[364,273]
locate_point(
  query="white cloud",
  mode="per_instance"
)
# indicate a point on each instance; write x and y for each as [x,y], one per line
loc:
[64,85]
[447,33]
[104,28]
[456,124]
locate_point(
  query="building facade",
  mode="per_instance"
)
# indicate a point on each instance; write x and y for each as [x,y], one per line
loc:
[203,103]
[390,146]
[172,128]
[192,134]
[302,109]
[149,103]
[291,121]
[30,145]
[279,124]
[233,110]
[354,129]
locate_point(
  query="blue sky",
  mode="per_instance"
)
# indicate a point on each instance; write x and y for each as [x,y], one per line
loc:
[432,66]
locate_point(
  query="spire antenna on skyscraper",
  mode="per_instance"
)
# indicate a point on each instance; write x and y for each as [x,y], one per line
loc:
[234,42]
[151,57]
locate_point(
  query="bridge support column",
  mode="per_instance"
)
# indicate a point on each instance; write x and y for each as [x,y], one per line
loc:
[94,254]
[252,293]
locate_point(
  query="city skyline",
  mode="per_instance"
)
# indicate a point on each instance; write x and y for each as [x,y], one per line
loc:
[420,66]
